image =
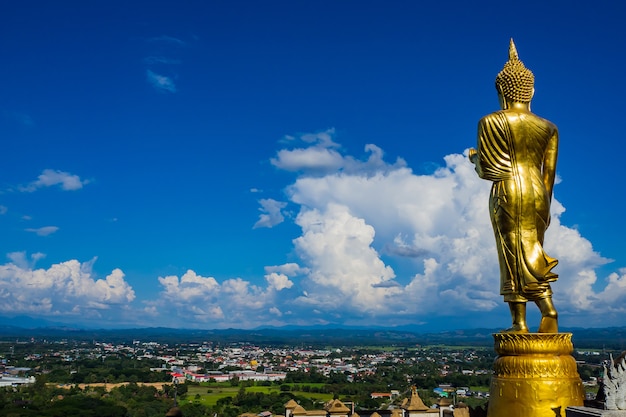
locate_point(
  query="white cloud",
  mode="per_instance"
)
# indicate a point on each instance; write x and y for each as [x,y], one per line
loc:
[336,247]
[613,296]
[190,287]
[577,264]
[278,281]
[161,82]
[290,269]
[65,289]
[276,311]
[323,139]
[361,218]
[379,244]
[43,231]
[21,260]
[51,177]
[320,156]
[311,159]
[151,311]
[271,213]
[203,301]
[3,210]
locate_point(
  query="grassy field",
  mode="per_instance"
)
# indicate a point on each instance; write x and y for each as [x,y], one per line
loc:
[211,398]
[209,395]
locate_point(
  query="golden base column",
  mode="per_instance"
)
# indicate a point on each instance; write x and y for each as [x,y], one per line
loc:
[534,375]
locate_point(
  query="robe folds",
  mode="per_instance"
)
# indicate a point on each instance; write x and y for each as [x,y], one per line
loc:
[517,151]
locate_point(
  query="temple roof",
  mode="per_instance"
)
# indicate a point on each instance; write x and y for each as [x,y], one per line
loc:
[414,402]
[299,410]
[337,407]
[291,404]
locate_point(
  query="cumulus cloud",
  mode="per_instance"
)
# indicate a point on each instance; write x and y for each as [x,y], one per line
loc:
[290,269]
[271,213]
[378,244]
[232,303]
[319,155]
[161,82]
[278,281]
[374,233]
[51,177]
[65,289]
[276,311]
[613,296]
[43,231]
[577,263]
[316,159]
[336,247]
[21,260]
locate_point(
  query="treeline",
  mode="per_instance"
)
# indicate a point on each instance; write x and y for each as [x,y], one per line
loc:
[132,400]
[109,370]
[44,400]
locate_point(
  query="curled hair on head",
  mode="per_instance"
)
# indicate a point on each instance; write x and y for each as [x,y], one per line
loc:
[515,81]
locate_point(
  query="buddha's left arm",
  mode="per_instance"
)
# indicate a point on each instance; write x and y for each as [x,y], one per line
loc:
[549,162]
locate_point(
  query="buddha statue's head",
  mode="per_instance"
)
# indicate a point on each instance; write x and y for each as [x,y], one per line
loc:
[515,83]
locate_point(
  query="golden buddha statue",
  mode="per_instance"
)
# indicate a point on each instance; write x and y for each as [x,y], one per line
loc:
[517,150]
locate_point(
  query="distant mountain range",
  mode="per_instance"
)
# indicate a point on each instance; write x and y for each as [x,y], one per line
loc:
[613,338]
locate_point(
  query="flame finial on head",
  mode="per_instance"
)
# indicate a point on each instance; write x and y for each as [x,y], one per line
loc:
[513,51]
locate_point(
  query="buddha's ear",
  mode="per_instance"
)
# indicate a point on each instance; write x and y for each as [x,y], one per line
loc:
[531,98]
[501,98]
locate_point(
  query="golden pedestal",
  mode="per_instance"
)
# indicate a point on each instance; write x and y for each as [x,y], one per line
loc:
[534,376]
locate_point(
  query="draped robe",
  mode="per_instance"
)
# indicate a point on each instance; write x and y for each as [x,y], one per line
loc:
[517,150]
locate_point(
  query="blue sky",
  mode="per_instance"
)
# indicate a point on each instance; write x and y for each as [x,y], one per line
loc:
[217,164]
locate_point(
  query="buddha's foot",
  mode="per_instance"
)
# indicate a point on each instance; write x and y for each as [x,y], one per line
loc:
[516,328]
[548,325]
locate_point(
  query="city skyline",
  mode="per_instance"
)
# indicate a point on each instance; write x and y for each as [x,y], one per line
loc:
[240,164]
